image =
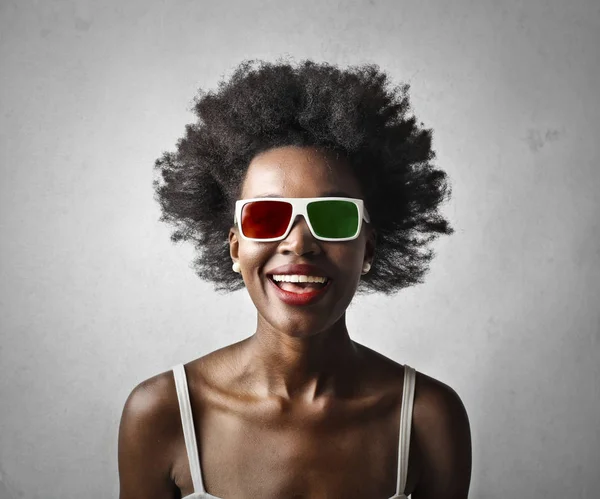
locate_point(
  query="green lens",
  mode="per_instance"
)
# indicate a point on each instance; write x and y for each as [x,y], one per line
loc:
[336,219]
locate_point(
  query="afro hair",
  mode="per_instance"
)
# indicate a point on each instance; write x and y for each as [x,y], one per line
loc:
[354,112]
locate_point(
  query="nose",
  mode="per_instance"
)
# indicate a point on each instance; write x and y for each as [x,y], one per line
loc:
[300,239]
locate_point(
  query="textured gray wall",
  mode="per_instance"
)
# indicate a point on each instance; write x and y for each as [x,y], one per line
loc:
[94,297]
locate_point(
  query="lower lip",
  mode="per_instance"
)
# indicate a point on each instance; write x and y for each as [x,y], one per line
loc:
[299,298]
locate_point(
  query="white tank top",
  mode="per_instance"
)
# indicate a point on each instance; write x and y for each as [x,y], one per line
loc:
[191,445]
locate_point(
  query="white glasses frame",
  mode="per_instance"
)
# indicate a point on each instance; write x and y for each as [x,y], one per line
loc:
[300,207]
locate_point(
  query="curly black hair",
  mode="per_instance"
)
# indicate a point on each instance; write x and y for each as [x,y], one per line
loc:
[354,112]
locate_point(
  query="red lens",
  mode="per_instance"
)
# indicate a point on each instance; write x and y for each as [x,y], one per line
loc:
[265,219]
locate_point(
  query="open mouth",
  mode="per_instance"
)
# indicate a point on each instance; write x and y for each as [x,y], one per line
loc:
[299,284]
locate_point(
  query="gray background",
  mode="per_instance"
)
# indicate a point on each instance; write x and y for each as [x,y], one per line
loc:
[95,298]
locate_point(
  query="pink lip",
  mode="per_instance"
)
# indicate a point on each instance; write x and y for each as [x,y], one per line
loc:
[299,298]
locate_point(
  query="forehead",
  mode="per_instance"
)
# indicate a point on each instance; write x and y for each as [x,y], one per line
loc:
[298,172]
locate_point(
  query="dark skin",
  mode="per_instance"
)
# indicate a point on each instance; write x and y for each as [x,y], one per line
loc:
[298,409]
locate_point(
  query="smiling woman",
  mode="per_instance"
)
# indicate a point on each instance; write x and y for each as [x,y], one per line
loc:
[306,184]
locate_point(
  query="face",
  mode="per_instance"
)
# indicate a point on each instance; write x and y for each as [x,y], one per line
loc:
[300,172]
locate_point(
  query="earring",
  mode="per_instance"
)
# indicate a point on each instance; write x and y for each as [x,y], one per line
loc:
[236,267]
[366,267]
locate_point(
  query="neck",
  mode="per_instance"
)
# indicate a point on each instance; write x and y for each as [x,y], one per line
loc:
[302,368]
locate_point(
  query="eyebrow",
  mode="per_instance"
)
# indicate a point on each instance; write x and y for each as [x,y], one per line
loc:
[341,194]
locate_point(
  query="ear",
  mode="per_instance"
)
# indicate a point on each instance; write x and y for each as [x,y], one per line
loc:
[234,244]
[370,245]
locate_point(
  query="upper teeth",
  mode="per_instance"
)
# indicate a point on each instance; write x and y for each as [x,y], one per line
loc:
[299,278]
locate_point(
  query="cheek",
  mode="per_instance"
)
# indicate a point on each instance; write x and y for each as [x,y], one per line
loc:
[348,260]
[348,264]
[253,257]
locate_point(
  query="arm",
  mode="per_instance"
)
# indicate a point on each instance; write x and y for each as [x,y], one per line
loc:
[144,442]
[444,441]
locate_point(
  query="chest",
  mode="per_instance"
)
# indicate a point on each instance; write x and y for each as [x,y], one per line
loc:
[354,456]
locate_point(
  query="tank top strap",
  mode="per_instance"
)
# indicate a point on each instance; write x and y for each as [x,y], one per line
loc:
[406,412]
[187,422]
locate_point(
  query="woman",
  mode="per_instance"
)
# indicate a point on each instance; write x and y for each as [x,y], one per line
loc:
[304,183]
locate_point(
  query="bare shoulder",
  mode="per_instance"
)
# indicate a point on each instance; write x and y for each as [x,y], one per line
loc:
[440,449]
[149,429]
[443,437]
[152,404]
[436,403]
[152,389]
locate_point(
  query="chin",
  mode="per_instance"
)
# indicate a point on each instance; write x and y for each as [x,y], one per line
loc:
[300,327]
